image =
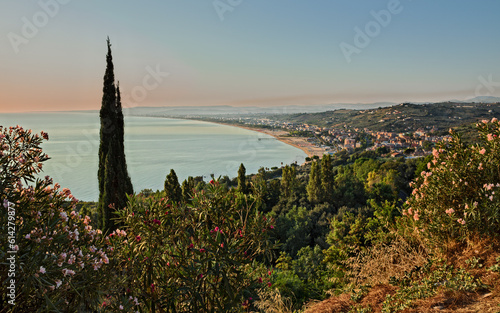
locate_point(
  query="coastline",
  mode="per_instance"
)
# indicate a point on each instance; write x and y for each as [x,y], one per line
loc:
[297,142]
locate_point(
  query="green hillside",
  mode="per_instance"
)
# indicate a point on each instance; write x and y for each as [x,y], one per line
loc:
[402,117]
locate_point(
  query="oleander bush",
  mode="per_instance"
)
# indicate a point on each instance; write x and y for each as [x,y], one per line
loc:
[457,198]
[49,253]
[197,257]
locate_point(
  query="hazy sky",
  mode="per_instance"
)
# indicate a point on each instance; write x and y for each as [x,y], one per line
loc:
[247,52]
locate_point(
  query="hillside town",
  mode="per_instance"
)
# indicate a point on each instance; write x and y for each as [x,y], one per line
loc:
[413,143]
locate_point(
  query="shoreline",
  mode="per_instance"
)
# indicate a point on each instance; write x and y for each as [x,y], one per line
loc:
[297,142]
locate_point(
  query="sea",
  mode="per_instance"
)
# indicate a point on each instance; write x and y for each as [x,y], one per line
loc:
[153,146]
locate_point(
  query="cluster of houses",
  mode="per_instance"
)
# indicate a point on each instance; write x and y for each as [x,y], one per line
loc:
[414,143]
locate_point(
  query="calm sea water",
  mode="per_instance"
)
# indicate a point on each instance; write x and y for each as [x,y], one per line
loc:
[152,146]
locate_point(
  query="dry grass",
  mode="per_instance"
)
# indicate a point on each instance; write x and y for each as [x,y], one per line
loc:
[380,262]
[340,303]
[271,301]
[376,265]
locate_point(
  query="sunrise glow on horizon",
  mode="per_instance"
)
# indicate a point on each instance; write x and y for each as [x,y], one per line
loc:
[247,53]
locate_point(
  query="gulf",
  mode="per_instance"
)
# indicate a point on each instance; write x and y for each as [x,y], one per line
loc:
[153,146]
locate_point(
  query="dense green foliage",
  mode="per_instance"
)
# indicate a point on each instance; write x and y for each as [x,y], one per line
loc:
[114,181]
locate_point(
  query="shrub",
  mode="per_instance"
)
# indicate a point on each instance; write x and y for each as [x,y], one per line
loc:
[49,252]
[196,257]
[457,197]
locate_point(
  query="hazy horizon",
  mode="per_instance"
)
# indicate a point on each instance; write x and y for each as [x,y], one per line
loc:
[247,53]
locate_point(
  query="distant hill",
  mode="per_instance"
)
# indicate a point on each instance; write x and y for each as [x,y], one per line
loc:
[226,110]
[484,99]
[403,117]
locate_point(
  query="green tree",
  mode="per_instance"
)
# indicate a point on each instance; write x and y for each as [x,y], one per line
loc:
[288,181]
[260,190]
[327,178]
[114,181]
[172,187]
[314,187]
[188,186]
[242,182]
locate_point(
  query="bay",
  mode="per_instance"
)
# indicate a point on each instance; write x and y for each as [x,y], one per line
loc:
[153,146]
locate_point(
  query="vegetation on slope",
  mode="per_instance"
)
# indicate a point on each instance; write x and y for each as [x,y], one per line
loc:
[351,230]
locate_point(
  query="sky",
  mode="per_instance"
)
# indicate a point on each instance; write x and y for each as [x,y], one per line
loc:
[247,52]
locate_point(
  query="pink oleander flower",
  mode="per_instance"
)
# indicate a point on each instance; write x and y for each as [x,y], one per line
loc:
[449,211]
[461,221]
[138,238]
[64,216]
[67,272]
[482,151]
[494,120]
[489,137]
[41,270]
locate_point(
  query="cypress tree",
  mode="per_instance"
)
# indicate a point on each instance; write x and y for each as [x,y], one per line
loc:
[314,188]
[187,187]
[288,181]
[327,178]
[242,182]
[114,181]
[172,187]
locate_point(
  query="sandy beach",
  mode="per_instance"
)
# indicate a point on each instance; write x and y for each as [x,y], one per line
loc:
[283,136]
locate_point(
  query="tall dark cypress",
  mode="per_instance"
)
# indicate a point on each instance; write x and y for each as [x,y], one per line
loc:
[242,181]
[114,181]
[173,189]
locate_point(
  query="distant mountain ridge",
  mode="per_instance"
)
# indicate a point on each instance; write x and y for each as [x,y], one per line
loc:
[249,110]
[228,110]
